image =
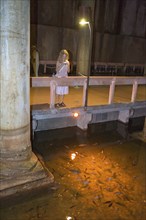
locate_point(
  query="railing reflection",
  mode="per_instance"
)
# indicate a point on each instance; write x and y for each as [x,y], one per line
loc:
[47,68]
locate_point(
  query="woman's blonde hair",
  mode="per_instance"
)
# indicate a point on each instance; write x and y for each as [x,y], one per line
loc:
[60,57]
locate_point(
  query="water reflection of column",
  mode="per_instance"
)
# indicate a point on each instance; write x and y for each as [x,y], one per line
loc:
[20,168]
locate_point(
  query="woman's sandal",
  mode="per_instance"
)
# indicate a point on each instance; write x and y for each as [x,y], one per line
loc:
[62,104]
[57,105]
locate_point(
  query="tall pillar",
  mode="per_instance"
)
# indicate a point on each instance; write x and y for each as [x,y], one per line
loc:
[84,51]
[20,168]
[84,44]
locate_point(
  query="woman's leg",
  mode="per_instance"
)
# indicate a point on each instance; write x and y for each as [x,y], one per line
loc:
[61,98]
[57,100]
[62,103]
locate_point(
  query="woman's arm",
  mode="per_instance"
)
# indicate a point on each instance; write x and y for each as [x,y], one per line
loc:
[59,66]
[68,64]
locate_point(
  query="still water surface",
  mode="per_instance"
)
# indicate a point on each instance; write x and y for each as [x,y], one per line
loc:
[99,175]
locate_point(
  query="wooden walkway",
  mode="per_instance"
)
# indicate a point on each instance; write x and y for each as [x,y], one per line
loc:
[98,95]
[109,99]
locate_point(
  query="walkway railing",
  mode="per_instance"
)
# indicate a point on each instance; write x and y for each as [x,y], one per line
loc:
[99,68]
[52,82]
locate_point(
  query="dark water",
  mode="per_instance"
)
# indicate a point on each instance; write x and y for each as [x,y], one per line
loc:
[105,181]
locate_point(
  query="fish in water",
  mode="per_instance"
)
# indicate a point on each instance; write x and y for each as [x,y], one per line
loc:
[75,171]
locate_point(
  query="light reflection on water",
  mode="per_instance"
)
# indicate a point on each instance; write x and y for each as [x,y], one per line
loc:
[106,179]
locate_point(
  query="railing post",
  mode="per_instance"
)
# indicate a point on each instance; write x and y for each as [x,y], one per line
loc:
[84,92]
[111,92]
[144,129]
[145,70]
[52,93]
[134,91]
[45,67]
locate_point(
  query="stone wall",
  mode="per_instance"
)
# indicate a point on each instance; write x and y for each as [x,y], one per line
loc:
[119,29]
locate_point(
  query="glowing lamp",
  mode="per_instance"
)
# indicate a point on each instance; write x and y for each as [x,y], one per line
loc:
[76,114]
[83,22]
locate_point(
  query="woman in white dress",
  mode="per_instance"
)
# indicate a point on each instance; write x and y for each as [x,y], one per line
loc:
[62,70]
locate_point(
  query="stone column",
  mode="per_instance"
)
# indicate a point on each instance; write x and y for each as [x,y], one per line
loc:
[20,168]
[84,51]
[84,44]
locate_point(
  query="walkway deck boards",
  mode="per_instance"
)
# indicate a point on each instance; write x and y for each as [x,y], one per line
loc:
[98,95]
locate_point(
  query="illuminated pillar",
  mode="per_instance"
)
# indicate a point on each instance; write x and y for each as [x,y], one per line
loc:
[20,168]
[84,43]
[84,52]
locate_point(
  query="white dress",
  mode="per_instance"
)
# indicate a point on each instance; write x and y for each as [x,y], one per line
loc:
[63,72]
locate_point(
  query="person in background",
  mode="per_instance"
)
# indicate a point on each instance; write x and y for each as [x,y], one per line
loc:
[35,59]
[62,70]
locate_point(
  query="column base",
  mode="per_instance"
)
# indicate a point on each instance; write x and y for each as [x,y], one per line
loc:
[21,176]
